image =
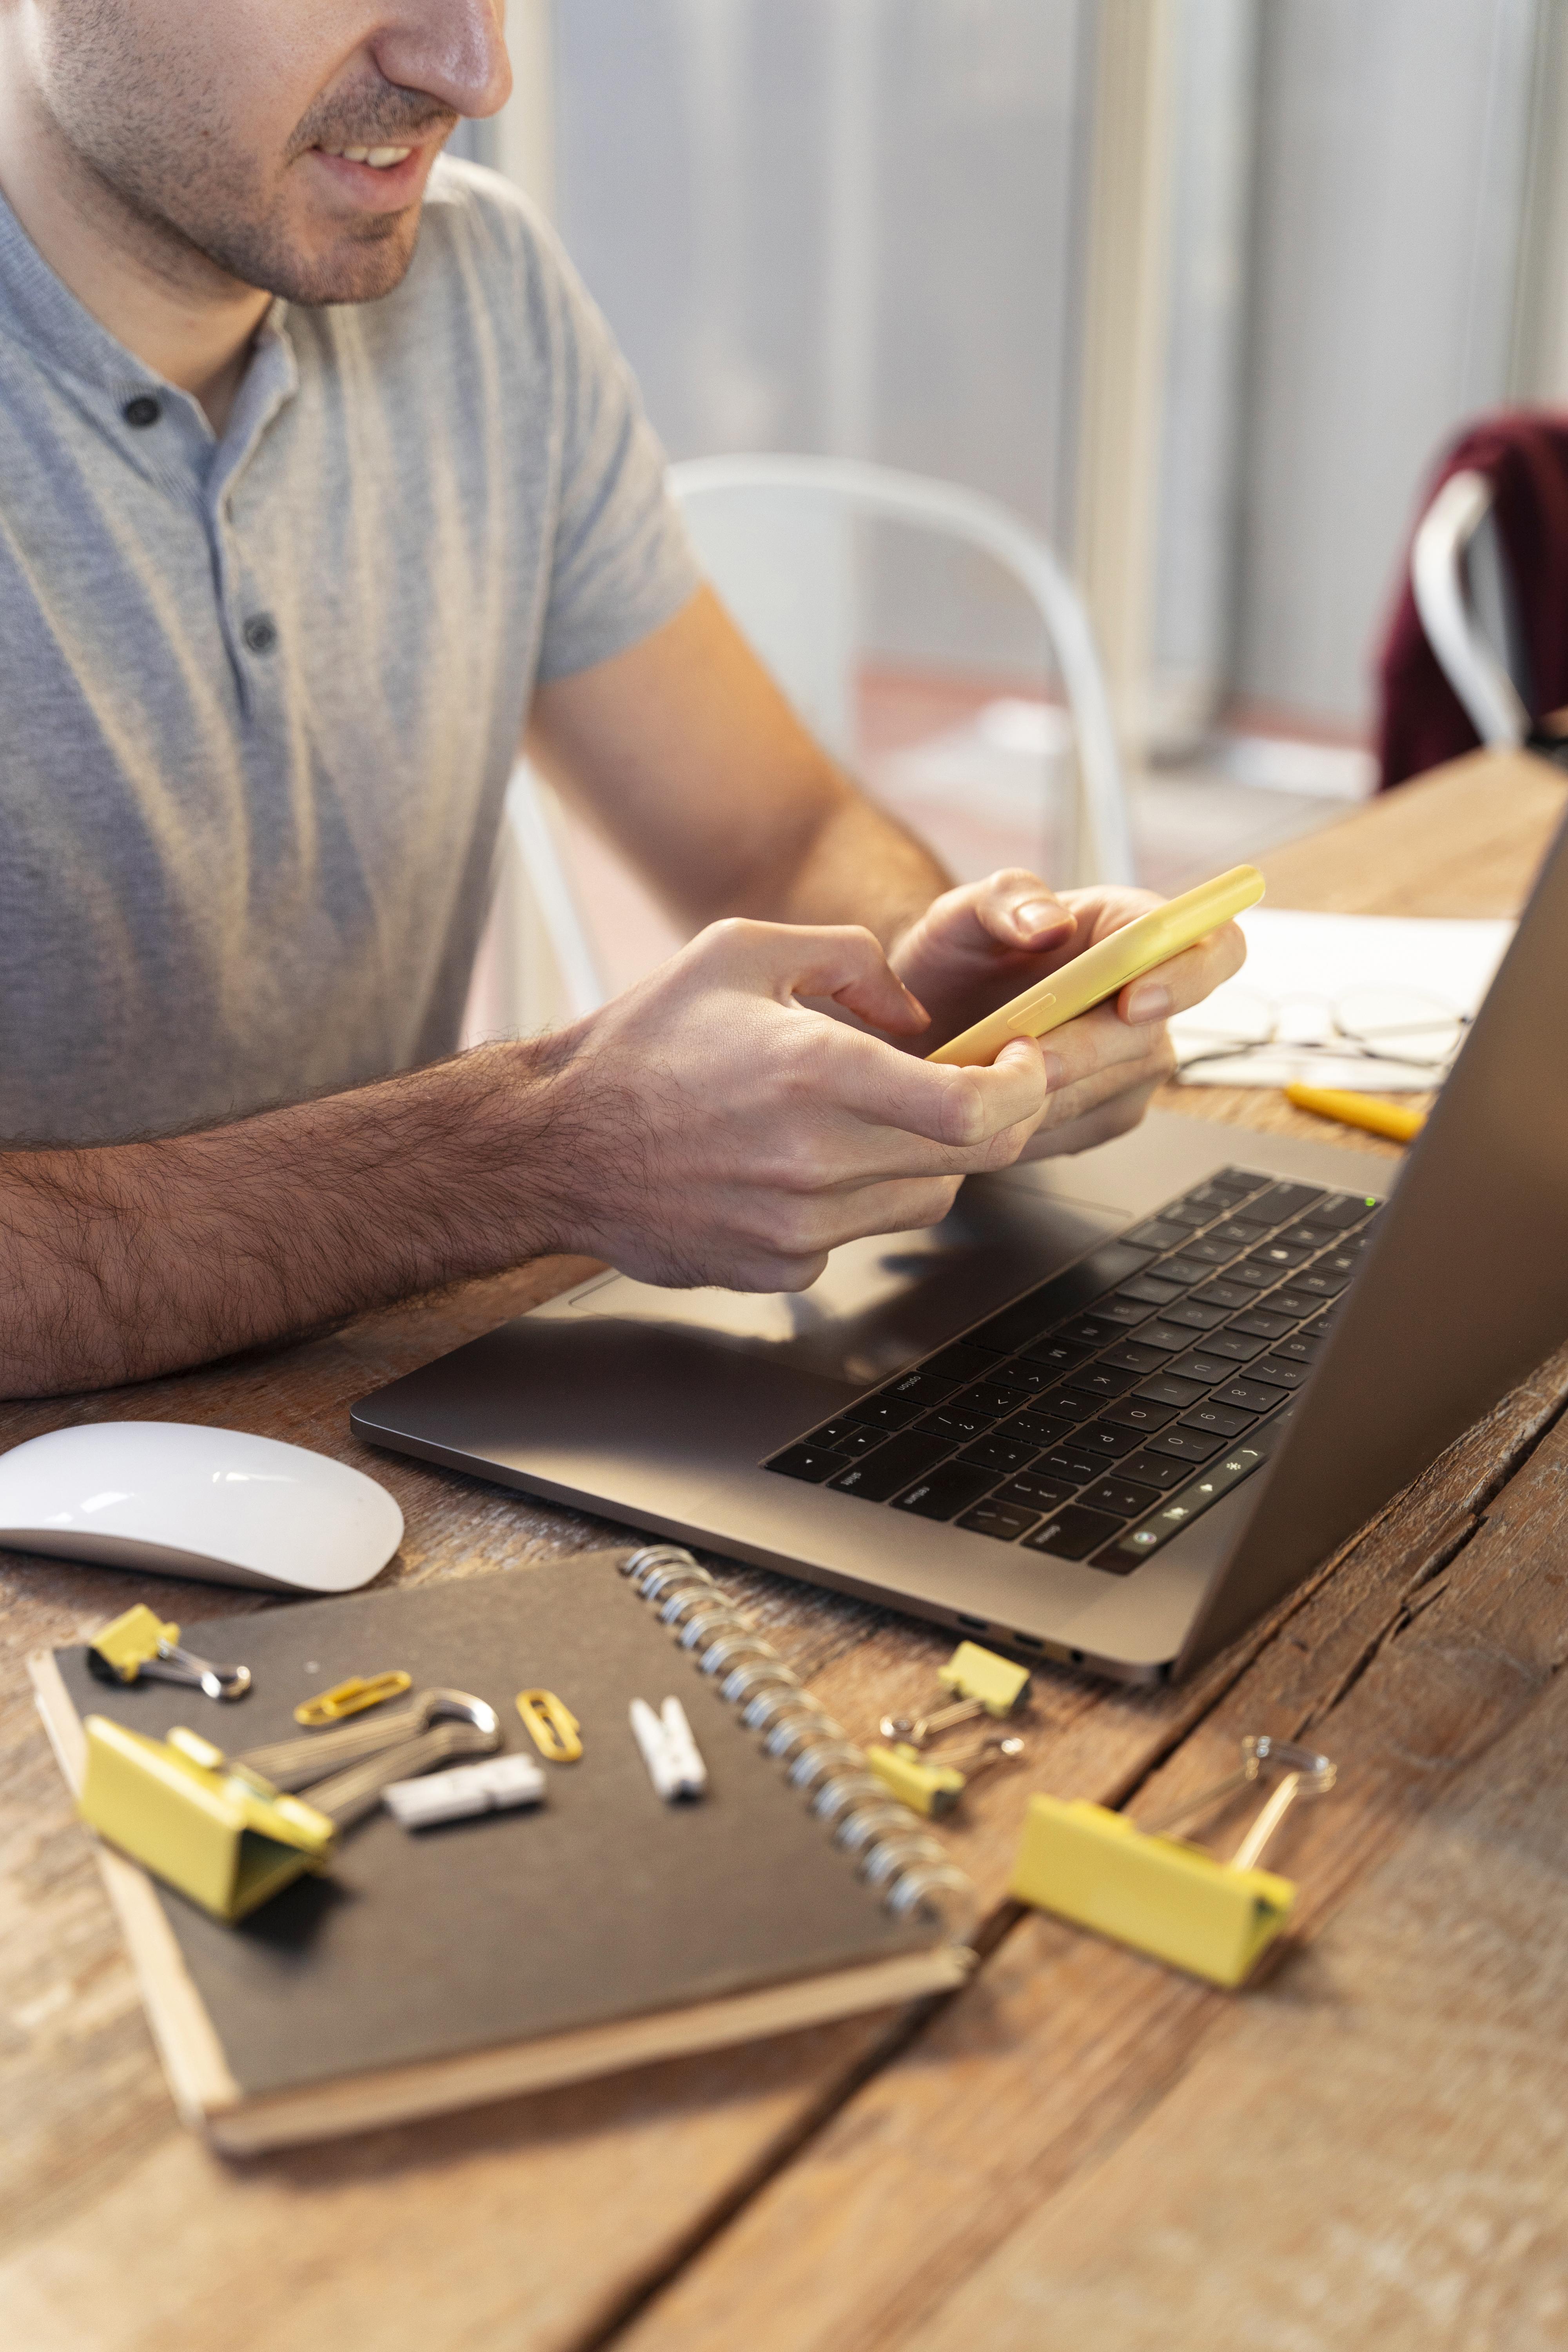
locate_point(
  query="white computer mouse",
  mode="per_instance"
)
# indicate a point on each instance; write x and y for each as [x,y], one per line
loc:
[179,1499]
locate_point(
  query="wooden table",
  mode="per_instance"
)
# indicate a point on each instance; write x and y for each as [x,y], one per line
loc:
[1082,2148]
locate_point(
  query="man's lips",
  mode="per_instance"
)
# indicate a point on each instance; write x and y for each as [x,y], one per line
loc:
[378,186]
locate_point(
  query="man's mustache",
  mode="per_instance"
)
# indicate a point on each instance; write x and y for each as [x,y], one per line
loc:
[387,116]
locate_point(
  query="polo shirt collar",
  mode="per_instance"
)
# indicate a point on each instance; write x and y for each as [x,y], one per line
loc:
[67,340]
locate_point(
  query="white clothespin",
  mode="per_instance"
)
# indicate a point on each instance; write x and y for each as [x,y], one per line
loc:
[673,1759]
[495,1786]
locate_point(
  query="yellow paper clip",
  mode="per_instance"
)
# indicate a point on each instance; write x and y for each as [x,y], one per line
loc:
[934,1789]
[351,1697]
[1158,1893]
[981,1683]
[140,1643]
[210,1827]
[551,1725]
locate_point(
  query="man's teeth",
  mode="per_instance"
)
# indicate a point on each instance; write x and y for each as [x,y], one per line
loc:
[380,158]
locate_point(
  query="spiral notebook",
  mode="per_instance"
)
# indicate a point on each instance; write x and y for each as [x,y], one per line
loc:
[505,1954]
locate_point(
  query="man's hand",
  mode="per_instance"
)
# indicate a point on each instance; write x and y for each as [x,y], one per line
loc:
[716,1130]
[976,947]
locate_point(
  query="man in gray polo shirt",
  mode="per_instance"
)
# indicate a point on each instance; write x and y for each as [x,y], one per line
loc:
[321,486]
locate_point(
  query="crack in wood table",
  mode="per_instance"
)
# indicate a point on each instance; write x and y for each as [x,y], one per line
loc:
[1080,2149]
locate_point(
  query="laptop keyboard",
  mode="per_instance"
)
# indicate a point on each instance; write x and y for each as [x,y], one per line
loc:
[1099,1415]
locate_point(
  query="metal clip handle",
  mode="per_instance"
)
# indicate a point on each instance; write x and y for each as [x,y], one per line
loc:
[551,1725]
[1307,1774]
[351,1697]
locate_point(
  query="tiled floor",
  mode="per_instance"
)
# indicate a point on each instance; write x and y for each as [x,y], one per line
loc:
[980,776]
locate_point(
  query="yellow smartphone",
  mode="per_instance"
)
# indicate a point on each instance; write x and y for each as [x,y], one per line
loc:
[1105,969]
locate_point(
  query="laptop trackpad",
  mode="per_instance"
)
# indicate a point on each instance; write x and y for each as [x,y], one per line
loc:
[883,1300]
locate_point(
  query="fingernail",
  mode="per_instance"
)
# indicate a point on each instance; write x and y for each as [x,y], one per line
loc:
[1149,1003]
[1054,1068]
[1037,915]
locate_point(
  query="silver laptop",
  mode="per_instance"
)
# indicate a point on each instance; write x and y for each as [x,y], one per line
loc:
[1111,1409]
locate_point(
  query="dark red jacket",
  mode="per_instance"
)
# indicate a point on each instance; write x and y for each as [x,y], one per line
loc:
[1523,453]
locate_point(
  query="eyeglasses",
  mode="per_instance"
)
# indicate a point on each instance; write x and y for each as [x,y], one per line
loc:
[1401,1026]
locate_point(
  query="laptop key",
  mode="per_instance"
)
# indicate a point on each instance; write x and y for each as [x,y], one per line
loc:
[1290,1299]
[1283,1254]
[1158,1233]
[1170,1388]
[881,1475]
[1099,1380]
[1193,1315]
[1282,1202]
[1139,1413]
[922,1387]
[1020,1373]
[1055,1352]
[1107,1438]
[1249,1394]
[1217,1420]
[956,1422]
[1072,1533]
[1184,1269]
[882,1411]
[1067,1462]
[1094,1330]
[992,1398]
[1042,1429]
[1223,1293]
[1302,1350]
[1005,1521]
[944,1493]
[998,1455]
[1281,1372]
[1184,1445]
[851,1438]
[1203,1367]
[1322,1282]
[1120,1497]
[1253,1276]
[1342,1210]
[1239,1347]
[1262,1323]
[1152,1469]
[1150,1289]
[1030,1492]
[814,1463]
[1133,1356]
[1209,1250]
[1120,1311]
[1188,1503]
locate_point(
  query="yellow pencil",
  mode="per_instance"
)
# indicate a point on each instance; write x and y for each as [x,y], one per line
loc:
[1359,1110]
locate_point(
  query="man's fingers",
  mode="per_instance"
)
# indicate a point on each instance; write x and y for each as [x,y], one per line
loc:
[839,961]
[1017,910]
[1186,979]
[962,1109]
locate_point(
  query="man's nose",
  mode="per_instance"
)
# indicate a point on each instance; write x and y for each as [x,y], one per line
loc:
[453,50]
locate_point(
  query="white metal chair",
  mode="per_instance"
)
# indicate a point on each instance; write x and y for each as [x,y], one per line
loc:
[1463,596]
[776,536]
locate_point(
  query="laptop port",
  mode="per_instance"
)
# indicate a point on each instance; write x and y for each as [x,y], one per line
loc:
[975,1624]
[1029,1640]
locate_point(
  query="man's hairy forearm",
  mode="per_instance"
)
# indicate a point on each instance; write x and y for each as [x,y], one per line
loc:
[132,1259]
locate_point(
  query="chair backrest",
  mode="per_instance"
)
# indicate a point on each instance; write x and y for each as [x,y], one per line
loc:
[1464,597]
[776,536]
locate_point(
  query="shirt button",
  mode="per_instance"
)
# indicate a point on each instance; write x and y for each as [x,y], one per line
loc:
[144,410]
[260,632]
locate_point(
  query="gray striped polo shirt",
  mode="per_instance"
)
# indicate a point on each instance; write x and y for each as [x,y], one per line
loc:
[259,696]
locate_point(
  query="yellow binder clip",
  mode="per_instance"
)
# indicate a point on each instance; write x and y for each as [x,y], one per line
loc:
[929,1787]
[210,1827]
[351,1697]
[140,1643]
[980,1684]
[551,1725]
[1157,1893]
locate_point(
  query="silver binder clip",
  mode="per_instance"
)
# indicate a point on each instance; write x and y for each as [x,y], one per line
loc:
[673,1759]
[139,1643]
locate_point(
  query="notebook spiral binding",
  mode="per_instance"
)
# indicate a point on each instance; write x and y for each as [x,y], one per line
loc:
[902,1862]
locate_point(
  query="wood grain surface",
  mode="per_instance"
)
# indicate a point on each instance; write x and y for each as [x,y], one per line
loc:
[917,2178]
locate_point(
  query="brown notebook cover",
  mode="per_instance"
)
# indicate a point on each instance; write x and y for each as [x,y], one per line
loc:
[436,1968]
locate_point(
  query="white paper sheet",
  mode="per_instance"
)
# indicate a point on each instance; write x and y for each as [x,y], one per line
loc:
[1302,963]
